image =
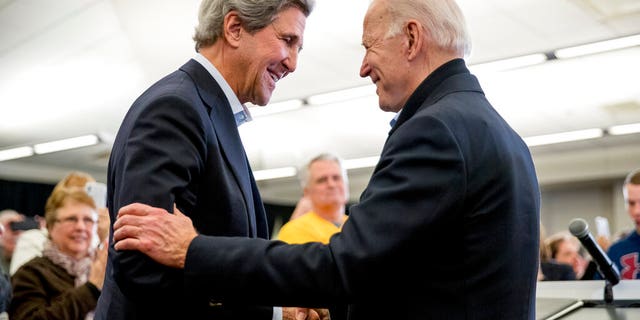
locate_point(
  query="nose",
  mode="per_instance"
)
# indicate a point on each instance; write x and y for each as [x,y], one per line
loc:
[291,62]
[365,69]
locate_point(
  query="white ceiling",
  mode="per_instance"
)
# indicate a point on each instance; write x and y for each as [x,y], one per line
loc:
[73,67]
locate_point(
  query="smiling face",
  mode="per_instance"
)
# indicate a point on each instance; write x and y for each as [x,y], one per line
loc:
[269,55]
[73,228]
[384,61]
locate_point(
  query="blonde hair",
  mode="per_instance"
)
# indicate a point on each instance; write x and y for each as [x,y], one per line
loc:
[74,179]
[553,243]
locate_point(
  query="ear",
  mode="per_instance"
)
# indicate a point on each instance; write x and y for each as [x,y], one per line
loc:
[305,191]
[415,36]
[232,28]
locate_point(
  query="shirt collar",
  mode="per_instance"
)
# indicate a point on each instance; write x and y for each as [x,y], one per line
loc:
[240,111]
[395,118]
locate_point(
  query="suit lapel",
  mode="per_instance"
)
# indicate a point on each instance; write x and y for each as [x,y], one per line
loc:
[224,125]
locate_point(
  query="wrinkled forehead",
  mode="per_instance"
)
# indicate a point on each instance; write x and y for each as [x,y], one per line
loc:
[376,18]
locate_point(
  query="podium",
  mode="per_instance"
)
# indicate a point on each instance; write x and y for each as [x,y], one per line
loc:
[584,300]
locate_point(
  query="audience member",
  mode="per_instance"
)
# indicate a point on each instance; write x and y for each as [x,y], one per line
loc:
[5,289]
[179,143]
[324,182]
[625,253]
[8,218]
[65,282]
[29,245]
[31,242]
[551,270]
[566,249]
[451,168]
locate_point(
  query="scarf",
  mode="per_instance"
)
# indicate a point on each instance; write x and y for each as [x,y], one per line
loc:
[78,268]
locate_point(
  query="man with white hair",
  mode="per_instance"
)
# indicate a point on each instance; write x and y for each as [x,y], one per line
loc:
[324,182]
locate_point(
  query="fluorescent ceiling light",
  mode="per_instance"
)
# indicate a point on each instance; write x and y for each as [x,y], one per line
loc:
[367,162]
[15,153]
[564,137]
[66,144]
[342,95]
[511,63]
[277,107]
[268,174]
[598,47]
[624,129]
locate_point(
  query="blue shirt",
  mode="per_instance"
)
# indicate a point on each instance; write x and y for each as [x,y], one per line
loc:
[624,254]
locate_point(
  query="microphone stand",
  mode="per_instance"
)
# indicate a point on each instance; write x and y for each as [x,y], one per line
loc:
[608,292]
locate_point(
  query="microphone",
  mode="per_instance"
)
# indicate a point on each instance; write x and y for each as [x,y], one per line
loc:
[580,229]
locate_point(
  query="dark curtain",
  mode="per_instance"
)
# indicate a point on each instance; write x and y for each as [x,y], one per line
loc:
[27,198]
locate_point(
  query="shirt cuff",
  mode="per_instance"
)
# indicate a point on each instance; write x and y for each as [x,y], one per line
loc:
[277,313]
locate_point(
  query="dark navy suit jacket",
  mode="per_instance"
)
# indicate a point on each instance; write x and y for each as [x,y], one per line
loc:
[447,227]
[179,144]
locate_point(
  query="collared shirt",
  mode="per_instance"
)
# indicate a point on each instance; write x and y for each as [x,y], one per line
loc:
[240,111]
[395,118]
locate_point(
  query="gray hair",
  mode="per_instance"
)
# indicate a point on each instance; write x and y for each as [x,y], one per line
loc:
[8,214]
[442,19]
[632,178]
[255,15]
[303,173]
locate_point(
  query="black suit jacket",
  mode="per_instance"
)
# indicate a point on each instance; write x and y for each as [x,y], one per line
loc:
[179,144]
[447,227]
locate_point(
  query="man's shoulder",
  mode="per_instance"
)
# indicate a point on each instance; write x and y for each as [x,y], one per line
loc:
[623,246]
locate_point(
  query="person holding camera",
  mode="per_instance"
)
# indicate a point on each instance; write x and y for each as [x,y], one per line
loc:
[8,235]
[9,221]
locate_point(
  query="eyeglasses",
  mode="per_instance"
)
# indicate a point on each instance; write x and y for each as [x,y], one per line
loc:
[73,220]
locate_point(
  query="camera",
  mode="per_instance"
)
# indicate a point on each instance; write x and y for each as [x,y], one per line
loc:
[26,224]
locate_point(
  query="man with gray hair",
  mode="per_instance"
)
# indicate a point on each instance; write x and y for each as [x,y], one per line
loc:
[179,143]
[626,252]
[324,182]
[448,226]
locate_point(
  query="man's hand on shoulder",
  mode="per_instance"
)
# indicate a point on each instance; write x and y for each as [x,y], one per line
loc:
[162,236]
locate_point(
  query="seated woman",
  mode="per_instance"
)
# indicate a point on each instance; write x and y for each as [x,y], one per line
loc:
[65,282]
